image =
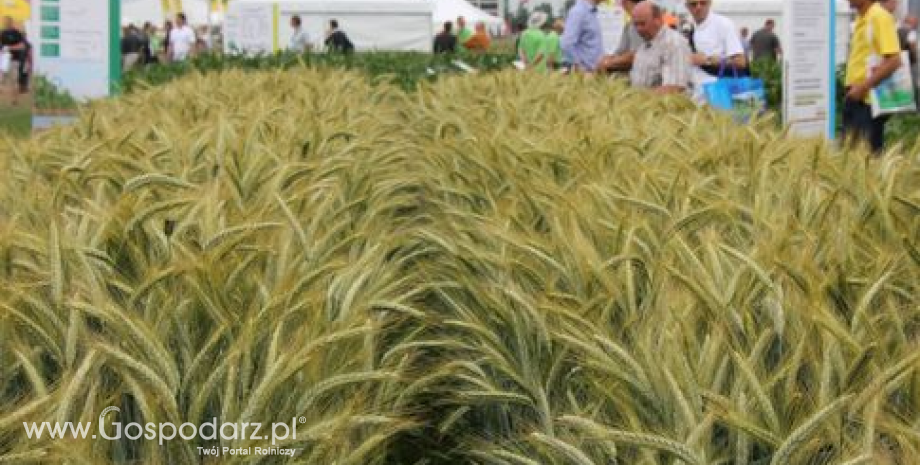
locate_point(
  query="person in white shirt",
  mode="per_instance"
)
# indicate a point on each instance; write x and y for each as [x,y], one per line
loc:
[716,46]
[182,40]
[300,40]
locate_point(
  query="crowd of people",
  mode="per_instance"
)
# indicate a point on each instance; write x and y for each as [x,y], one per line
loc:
[476,40]
[177,41]
[659,57]
[657,49]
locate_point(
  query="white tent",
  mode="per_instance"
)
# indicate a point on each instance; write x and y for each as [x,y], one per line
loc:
[264,25]
[196,11]
[141,11]
[449,10]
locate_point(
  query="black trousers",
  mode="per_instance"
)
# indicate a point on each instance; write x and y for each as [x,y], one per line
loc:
[858,124]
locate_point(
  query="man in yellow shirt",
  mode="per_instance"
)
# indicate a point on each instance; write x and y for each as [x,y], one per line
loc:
[875,38]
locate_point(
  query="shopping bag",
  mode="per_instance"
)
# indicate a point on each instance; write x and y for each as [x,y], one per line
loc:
[4,62]
[895,94]
[742,97]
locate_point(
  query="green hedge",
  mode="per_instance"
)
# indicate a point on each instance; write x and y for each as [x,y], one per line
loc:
[408,68]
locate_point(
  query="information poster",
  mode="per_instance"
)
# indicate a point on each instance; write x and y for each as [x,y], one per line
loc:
[76,55]
[251,29]
[613,20]
[808,80]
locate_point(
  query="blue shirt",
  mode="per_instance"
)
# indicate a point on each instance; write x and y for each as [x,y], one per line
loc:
[581,40]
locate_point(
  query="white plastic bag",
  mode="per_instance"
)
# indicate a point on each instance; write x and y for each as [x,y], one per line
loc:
[895,94]
[4,62]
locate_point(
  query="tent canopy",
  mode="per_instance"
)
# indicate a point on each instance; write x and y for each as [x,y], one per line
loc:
[449,10]
[264,25]
[141,11]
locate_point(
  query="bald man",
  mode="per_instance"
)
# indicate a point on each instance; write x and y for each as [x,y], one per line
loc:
[662,63]
[622,59]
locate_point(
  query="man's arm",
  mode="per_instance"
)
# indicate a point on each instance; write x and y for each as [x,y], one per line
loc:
[740,61]
[619,62]
[734,49]
[21,45]
[622,58]
[570,35]
[890,64]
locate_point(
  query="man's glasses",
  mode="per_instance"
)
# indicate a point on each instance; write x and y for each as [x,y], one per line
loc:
[696,4]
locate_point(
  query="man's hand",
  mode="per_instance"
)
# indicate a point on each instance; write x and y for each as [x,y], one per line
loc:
[858,92]
[666,90]
[698,59]
[615,62]
[739,61]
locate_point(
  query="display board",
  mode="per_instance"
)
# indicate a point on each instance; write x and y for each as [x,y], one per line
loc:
[251,28]
[76,55]
[808,78]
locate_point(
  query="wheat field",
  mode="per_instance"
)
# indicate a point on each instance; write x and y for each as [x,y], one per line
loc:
[504,269]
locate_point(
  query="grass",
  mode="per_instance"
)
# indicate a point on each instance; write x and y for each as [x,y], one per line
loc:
[16,121]
[493,269]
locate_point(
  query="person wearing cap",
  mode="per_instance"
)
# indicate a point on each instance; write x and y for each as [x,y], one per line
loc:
[530,47]
[582,41]
[662,63]
[622,58]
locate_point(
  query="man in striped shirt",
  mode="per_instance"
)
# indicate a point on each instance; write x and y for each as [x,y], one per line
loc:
[662,63]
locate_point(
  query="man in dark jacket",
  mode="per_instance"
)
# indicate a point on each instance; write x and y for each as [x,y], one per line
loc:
[132,47]
[336,40]
[445,41]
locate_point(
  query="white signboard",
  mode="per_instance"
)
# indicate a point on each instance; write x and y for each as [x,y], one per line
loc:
[808,81]
[72,45]
[250,28]
[613,20]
